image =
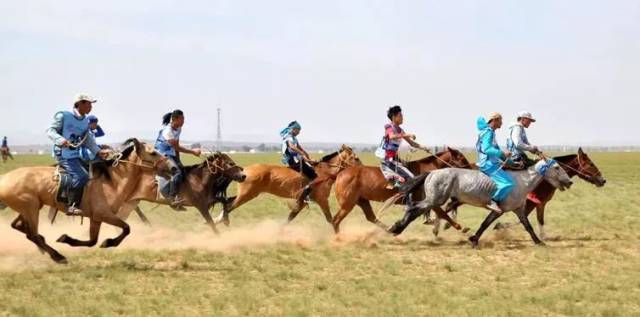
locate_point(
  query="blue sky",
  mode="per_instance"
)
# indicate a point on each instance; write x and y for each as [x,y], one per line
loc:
[333,65]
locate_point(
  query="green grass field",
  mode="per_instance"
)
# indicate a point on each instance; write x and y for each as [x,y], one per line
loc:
[590,266]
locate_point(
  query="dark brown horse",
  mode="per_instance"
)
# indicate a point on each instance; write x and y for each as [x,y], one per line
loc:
[575,165]
[358,185]
[205,185]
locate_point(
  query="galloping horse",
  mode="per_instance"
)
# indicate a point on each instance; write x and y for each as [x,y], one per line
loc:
[575,165]
[6,154]
[27,189]
[205,185]
[286,183]
[474,188]
[358,185]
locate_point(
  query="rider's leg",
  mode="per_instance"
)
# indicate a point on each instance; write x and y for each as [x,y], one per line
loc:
[75,178]
[310,174]
[504,185]
[174,183]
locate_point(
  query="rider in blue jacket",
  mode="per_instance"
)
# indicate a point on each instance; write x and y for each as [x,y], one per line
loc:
[74,144]
[491,159]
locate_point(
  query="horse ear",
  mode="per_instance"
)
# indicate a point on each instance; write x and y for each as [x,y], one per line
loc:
[137,145]
[580,151]
[449,149]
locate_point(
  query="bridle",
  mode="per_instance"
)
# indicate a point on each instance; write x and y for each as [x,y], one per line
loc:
[215,168]
[147,164]
[580,170]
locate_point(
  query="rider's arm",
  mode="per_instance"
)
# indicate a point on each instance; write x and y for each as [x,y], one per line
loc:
[99,132]
[518,140]
[54,130]
[298,149]
[486,145]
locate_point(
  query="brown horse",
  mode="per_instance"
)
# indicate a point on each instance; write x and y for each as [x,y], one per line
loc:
[26,190]
[284,182]
[6,154]
[205,185]
[358,185]
[575,165]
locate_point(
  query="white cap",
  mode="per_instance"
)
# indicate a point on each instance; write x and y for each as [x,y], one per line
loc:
[525,114]
[83,97]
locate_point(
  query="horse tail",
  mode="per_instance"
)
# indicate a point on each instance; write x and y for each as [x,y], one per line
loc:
[408,187]
[319,180]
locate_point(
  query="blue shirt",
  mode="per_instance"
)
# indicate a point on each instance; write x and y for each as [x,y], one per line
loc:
[489,154]
[287,154]
[73,127]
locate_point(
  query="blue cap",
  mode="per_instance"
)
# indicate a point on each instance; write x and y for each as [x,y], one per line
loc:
[92,118]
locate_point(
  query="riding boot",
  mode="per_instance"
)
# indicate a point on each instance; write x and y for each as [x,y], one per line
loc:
[305,197]
[74,198]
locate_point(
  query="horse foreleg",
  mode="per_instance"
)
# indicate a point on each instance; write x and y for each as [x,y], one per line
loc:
[485,224]
[238,201]
[527,225]
[540,216]
[94,231]
[117,222]
[370,214]
[204,211]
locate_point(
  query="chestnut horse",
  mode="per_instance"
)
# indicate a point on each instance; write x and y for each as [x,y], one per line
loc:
[284,182]
[205,185]
[27,189]
[575,165]
[358,185]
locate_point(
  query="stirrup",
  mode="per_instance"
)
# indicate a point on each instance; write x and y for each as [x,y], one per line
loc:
[176,204]
[73,211]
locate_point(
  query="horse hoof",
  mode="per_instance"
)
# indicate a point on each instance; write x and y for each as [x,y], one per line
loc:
[465,230]
[474,242]
[498,226]
[60,259]
[107,244]
[541,244]
[63,238]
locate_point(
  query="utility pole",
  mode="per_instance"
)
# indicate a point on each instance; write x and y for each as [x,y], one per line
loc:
[219,135]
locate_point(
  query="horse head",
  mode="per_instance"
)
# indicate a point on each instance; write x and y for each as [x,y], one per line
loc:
[144,155]
[222,163]
[457,159]
[553,173]
[347,157]
[588,171]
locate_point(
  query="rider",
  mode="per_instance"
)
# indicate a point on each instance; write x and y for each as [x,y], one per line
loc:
[5,147]
[297,158]
[95,128]
[70,134]
[168,144]
[491,158]
[392,168]
[518,143]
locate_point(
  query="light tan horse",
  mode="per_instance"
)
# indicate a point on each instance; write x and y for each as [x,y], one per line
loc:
[284,182]
[26,190]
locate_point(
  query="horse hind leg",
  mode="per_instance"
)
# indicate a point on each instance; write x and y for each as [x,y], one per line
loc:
[94,231]
[204,211]
[442,214]
[30,226]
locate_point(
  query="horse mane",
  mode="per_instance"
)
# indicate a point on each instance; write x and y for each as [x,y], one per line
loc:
[189,168]
[429,158]
[565,158]
[329,157]
[101,168]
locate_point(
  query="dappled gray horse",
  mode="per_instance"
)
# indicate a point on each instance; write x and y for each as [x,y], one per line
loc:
[474,188]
